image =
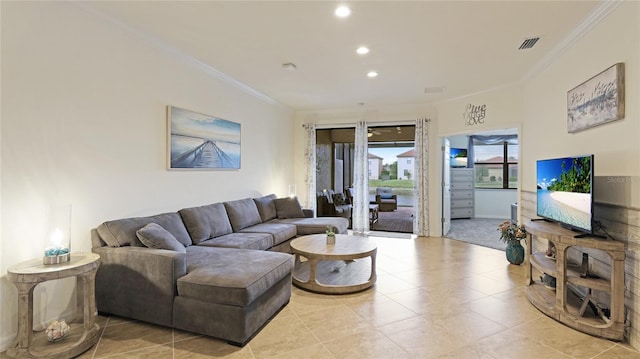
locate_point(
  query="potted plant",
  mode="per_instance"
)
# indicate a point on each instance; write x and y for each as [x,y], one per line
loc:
[512,234]
[331,234]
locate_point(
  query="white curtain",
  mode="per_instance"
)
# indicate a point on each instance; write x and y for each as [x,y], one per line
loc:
[421,187]
[310,163]
[360,212]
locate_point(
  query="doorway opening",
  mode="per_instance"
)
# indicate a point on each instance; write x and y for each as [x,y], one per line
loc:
[391,161]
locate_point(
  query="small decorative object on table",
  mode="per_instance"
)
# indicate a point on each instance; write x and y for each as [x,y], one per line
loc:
[57,330]
[512,234]
[331,235]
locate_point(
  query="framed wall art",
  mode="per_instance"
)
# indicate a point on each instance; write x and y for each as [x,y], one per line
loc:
[198,141]
[596,101]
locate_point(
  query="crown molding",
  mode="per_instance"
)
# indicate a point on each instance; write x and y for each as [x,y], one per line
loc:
[594,18]
[178,54]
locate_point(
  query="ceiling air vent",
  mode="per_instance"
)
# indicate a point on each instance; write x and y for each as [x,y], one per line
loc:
[528,43]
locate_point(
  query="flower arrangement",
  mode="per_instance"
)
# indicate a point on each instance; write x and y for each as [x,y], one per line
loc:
[331,230]
[511,232]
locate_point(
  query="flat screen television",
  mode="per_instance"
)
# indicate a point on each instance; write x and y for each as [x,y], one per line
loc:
[458,157]
[565,191]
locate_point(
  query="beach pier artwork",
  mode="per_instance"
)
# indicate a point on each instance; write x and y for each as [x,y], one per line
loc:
[198,141]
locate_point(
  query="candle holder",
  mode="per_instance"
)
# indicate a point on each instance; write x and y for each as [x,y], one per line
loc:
[57,248]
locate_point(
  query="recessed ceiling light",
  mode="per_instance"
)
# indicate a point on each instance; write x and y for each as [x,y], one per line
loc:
[372,74]
[342,11]
[362,50]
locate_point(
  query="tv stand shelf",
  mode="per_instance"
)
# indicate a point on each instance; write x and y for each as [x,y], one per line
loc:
[560,304]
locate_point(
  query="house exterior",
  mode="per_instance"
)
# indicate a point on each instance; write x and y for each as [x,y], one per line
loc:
[406,162]
[375,166]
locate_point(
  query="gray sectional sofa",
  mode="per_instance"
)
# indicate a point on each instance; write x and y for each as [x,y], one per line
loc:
[221,269]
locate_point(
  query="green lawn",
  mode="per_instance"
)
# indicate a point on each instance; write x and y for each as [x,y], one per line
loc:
[391,183]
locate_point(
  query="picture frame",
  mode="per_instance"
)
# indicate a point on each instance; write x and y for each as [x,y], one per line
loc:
[197,141]
[597,101]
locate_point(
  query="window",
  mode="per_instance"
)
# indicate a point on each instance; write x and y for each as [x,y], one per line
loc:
[496,164]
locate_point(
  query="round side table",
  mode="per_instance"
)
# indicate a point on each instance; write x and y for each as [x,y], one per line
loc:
[84,330]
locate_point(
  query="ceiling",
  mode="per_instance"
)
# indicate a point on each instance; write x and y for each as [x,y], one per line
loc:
[464,47]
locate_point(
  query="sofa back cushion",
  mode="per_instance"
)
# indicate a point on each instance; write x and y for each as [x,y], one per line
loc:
[154,236]
[289,208]
[206,222]
[266,207]
[122,232]
[242,213]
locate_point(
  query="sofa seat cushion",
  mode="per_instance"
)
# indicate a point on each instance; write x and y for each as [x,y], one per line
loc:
[386,200]
[259,241]
[231,276]
[281,232]
[122,232]
[206,222]
[242,213]
[316,225]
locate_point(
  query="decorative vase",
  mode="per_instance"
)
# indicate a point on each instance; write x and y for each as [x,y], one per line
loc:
[331,239]
[515,252]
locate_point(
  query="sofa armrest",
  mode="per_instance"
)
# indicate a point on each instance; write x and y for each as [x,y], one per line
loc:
[308,213]
[139,282]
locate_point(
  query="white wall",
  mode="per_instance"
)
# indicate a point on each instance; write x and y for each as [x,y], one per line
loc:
[494,203]
[615,145]
[83,122]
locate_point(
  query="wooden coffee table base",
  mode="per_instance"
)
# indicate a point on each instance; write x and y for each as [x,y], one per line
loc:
[348,267]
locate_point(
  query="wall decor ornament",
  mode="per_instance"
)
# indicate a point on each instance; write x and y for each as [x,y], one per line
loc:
[474,114]
[596,101]
[198,141]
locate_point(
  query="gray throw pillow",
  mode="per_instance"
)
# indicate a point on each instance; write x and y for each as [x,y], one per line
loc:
[288,208]
[154,236]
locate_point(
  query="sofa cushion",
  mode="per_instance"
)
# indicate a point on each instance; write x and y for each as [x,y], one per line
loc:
[259,241]
[153,235]
[122,232]
[279,231]
[242,213]
[266,207]
[231,276]
[206,222]
[288,207]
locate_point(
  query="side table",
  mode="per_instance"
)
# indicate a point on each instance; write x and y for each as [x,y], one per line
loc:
[84,330]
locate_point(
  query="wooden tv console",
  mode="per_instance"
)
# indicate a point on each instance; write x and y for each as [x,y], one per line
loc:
[565,308]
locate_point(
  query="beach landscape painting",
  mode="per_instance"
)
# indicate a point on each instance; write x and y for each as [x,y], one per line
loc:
[564,190]
[597,101]
[198,141]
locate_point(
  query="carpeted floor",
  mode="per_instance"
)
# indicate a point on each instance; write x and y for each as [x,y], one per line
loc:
[480,231]
[400,220]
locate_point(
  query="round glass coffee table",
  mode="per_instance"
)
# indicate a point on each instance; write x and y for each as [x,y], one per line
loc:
[347,266]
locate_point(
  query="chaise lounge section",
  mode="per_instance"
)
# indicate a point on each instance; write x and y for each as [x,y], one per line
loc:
[218,269]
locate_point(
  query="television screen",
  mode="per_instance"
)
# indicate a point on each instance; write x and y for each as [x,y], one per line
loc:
[458,157]
[565,192]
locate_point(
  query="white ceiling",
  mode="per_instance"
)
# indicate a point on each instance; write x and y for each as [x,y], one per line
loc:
[464,46]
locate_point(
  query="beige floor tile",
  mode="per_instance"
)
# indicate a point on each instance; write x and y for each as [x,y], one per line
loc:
[318,351]
[511,344]
[206,347]
[335,322]
[132,336]
[617,352]
[380,312]
[568,341]
[282,335]
[422,338]
[305,302]
[509,314]
[155,352]
[366,346]
[468,326]
[387,284]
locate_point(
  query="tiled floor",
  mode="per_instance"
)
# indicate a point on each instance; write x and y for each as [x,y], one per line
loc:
[434,298]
